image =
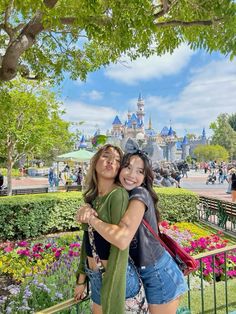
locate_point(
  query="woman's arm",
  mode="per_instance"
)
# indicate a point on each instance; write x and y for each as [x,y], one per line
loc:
[119,235]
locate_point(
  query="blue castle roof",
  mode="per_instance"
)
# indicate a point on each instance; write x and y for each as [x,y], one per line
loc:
[178,145]
[185,140]
[82,143]
[116,120]
[170,132]
[164,131]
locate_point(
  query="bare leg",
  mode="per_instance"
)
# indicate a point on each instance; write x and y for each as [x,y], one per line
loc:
[96,309]
[168,308]
[233,193]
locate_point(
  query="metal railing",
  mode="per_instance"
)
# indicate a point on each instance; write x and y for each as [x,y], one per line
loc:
[218,213]
[66,305]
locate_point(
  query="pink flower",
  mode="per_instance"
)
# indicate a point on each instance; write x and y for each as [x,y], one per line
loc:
[36,255]
[47,246]
[72,245]
[8,249]
[23,252]
[23,244]
[165,224]
[57,253]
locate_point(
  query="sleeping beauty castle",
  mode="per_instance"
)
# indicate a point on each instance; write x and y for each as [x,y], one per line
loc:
[165,145]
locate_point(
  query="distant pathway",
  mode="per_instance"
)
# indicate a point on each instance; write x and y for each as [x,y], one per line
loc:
[196,182]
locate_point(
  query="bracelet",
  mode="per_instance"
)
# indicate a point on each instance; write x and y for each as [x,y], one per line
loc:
[81,283]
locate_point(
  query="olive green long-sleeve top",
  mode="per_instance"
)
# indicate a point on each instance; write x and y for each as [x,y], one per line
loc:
[111,208]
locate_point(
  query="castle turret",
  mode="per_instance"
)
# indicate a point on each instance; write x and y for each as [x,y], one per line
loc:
[203,138]
[185,148]
[116,127]
[150,123]
[140,112]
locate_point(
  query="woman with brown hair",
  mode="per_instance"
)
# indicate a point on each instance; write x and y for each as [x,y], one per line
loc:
[112,279]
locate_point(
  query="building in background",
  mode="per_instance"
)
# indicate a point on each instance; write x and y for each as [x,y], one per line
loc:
[164,145]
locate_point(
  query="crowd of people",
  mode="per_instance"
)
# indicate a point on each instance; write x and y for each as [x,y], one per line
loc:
[65,177]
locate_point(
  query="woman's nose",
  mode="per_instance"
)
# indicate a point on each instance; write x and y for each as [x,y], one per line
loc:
[110,160]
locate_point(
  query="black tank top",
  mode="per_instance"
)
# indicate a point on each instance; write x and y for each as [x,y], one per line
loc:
[102,246]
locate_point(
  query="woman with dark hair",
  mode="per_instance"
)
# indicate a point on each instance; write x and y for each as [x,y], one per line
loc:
[162,279]
[112,280]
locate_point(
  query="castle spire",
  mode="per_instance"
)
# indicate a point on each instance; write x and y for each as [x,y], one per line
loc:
[150,123]
[140,112]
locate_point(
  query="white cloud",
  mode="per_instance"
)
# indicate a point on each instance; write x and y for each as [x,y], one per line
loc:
[211,90]
[144,69]
[93,116]
[93,95]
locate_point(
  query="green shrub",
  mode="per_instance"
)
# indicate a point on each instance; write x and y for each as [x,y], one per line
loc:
[15,172]
[177,204]
[26,216]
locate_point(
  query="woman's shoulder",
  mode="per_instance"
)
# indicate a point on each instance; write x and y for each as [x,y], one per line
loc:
[119,191]
[139,190]
[140,193]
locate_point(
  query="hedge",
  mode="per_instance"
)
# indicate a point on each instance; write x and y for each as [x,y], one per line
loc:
[177,205]
[26,216]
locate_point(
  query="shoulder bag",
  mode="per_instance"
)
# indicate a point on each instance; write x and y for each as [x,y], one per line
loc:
[186,263]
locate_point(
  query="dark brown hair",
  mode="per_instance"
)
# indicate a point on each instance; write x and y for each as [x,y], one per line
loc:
[91,181]
[148,175]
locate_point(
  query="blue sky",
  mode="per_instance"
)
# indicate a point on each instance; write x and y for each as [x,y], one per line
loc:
[188,88]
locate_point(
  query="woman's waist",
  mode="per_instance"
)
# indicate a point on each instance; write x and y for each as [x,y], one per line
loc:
[92,264]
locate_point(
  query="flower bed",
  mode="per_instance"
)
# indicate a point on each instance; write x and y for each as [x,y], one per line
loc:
[43,272]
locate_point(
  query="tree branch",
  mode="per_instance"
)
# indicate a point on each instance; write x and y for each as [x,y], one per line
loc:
[24,41]
[188,24]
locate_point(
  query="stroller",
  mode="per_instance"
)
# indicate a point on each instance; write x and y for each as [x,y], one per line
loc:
[211,178]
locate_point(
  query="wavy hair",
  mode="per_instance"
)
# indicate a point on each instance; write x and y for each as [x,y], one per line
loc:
[148,175]
[91,181]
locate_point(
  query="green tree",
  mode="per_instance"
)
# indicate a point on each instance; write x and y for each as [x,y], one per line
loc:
[31,123]
[45,38]
[232,121]
[211,152]
[224,134]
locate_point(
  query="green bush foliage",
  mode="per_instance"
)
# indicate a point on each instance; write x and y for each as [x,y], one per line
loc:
[177,205]
[27,216]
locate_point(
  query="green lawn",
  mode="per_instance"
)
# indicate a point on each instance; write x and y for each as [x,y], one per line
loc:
[209,299]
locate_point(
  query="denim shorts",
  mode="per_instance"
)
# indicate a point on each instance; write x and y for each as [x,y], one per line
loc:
[95,278]
[163,282]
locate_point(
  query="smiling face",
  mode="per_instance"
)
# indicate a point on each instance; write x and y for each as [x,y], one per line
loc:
[108,164]
[132,175]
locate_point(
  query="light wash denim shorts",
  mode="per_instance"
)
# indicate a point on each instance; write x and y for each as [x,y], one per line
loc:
[163,282]
[95,278]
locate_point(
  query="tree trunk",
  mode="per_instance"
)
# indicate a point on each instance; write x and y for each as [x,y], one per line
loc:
[9,169]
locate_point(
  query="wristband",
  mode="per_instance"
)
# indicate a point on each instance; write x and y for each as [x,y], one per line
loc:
[81,283]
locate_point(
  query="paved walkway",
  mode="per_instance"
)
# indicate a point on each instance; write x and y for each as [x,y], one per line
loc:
[196,182]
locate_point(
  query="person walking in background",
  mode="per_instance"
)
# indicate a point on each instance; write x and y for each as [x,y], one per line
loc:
[163,281]
[117,280]
[233,184]
[1,180]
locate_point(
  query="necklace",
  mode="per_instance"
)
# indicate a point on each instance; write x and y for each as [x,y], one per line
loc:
[98,202]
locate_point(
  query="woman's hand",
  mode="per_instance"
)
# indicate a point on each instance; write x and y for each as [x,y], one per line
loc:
[84,213]
[79,292]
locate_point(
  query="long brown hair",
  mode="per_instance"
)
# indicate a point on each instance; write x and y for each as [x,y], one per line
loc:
[91,181]
[148,175]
